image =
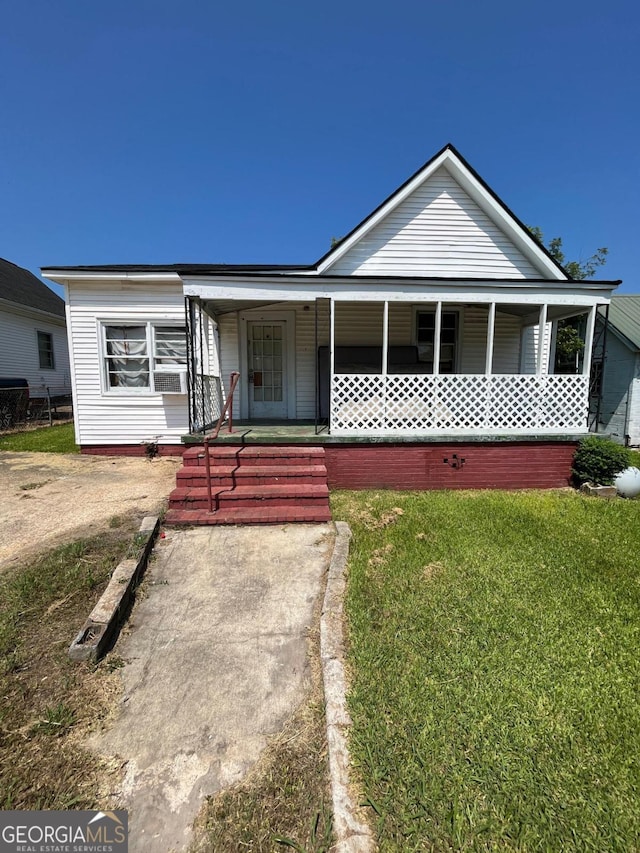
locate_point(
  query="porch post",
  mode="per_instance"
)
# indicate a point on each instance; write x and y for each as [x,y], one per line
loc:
[542,336]
[436,339]
[491,326]
[385,338]
[332,337]
[588,344]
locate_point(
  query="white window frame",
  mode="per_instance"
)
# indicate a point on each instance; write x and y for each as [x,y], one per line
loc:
[446,309]
[149,325]
[52,366]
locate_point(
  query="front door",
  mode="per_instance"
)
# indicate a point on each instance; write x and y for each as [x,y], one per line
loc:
[267,362]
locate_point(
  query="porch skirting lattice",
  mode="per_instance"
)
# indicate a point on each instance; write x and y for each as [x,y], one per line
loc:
[409,403]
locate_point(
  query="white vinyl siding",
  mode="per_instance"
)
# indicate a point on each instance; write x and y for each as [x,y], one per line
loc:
[107,418]
[530,337]
[633,427]
[19,355]
[620,403]
[438,231]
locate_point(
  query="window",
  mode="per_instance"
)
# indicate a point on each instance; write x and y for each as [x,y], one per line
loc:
[144,357]
[425,338]
[45,351]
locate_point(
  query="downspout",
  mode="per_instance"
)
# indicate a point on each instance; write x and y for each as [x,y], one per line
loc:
[202,394]
[332,357]
[188,325]
[602,371]
[315,352]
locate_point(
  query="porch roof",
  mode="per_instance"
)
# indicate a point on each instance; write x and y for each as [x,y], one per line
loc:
[227,292]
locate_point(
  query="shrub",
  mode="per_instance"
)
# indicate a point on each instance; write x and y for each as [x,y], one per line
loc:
[598,460]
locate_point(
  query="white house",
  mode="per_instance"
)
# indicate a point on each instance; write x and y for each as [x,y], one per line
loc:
[33,338]
[430,324]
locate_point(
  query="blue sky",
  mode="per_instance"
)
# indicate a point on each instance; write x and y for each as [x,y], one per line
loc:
[158,132]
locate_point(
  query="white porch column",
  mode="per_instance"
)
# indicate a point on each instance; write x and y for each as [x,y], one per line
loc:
[588,344]
[385,337]
[332,356]
[332,334]
[436,339]
[491,327]
[542,338]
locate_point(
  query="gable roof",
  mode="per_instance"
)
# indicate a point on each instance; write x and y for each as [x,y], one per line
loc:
[20,286]
[525,248]
[513,253]
[624,316]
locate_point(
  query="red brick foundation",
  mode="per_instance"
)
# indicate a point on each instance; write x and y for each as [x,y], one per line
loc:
[130,449]
[489,465]
[495,465]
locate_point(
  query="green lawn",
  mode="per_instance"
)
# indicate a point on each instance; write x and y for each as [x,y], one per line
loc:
[494,641]
[54,439]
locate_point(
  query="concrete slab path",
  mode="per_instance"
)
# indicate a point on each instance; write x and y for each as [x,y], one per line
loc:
[215,663]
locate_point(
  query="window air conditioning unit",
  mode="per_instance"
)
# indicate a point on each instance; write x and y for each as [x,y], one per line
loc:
[170,381]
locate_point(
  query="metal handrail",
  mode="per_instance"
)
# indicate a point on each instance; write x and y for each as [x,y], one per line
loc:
[228,407]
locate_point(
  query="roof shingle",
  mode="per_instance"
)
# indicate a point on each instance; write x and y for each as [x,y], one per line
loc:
[22,287]
[624,314]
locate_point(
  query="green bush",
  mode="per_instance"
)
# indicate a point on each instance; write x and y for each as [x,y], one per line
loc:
[598,460]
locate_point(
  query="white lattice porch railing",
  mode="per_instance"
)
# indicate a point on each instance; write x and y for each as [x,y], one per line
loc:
[363,404]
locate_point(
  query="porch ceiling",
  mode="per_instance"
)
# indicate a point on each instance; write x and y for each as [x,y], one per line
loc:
[524,311]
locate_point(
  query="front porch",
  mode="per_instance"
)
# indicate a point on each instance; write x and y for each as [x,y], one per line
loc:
[397,369]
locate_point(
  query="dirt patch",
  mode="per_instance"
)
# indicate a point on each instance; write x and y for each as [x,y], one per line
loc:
[49,499]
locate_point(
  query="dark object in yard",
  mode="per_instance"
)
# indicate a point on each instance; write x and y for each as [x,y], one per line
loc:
[14,401]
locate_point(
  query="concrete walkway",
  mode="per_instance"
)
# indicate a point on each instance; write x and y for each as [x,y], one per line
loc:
[215,663]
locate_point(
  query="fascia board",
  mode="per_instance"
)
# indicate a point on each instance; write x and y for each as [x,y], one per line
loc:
[501,217]
[62,276]
[351,289]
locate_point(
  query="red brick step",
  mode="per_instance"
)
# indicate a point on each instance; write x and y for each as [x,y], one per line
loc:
[257,484]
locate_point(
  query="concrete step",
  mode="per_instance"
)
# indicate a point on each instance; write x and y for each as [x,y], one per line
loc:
[250,475]
[248,515]
[253,455]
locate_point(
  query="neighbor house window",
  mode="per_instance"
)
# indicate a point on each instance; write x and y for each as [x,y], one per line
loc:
[426,334]
[45,350]
[134,354]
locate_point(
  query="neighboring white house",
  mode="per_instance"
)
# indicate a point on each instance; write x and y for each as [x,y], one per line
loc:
[423,323]
[619,409]
[33,338]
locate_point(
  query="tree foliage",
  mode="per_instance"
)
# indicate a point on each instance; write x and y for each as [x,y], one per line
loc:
[577,270]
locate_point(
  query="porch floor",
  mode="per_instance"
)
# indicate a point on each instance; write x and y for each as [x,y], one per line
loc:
[304,432]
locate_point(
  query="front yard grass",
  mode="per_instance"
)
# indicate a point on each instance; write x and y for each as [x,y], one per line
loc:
[53,439]
[47,702]
[496,677]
